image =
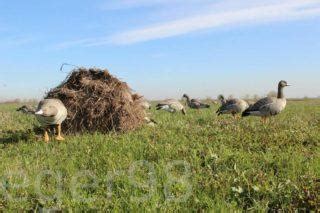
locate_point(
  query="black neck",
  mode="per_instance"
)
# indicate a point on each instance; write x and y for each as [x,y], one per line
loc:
[280,92]
[187,97]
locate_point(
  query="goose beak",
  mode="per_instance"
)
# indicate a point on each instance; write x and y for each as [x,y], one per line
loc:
[288,85]
[40,112]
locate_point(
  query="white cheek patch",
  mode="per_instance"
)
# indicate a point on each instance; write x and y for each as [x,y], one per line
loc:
[40,112]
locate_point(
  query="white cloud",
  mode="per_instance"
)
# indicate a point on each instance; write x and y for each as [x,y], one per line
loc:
[209,21]
[230,13]
[80,42]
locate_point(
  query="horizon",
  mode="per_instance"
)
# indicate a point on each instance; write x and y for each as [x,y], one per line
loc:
[163,48]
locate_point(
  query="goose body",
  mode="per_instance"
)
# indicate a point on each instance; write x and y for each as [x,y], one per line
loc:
[50,112]
[232,106]
[269,106]
[171,105]
[150,122]
[195,103]
[145,104]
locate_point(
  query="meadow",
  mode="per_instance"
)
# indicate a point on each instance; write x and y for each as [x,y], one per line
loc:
[185,163]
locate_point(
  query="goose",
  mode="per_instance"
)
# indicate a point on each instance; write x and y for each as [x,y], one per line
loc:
[171,105]
[145,104]
[232,106]
[150,122]
[194,103]
[269,106]
[50,112]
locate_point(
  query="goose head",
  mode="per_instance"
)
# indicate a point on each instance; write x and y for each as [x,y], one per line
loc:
[283,84]
[185,96]
[23,109]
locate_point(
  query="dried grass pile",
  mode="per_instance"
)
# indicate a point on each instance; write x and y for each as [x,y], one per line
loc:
[97,101]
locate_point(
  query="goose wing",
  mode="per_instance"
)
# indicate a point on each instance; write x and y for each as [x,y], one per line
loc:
[176,105]
[195,100]
[228,103]
[53,108]
[170,103]
[166,102]
[232,101]
[262,103]
[228,107]
[196,103]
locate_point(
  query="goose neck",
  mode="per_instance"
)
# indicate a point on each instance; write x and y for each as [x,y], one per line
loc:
[188,99]
[280,92]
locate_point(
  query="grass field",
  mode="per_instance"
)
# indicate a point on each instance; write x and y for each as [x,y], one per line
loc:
[193,162]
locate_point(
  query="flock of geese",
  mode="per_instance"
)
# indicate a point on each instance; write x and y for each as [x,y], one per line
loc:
[52,112]
[265,107]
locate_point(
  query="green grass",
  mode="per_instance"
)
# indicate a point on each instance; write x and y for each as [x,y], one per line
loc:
[193,162]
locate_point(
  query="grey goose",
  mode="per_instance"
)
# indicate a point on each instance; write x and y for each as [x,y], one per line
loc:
[195,103]
[232,106]
[145,104]
[50,112]
[171,105]
[269,106]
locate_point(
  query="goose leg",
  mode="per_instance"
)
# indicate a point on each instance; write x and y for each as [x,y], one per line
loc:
[267,119]
[238,116]
[264,119]
[59,137]
[46,135]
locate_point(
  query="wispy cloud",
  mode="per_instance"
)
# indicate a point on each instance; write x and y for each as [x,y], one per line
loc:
[287,11]
[230,14]
[79,42]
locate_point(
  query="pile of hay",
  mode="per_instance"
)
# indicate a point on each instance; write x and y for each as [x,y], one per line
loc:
[97,101]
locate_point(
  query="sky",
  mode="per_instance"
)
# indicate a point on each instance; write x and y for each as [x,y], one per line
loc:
[163,48]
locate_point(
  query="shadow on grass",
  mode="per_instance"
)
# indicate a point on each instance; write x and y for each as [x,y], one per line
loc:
[16,136]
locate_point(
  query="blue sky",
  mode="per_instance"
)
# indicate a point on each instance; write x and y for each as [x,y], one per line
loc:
[163,48]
